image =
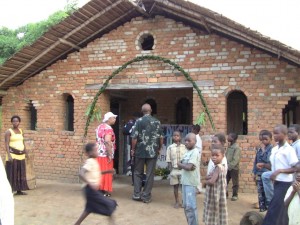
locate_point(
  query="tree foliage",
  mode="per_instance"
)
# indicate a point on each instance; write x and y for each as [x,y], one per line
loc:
[12,41]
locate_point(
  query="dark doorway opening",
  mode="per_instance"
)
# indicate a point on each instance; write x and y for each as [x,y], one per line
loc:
[291,112]
[237,120]
[183,111]
[115,109]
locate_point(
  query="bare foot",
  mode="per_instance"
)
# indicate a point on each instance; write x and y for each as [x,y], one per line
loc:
[176,205]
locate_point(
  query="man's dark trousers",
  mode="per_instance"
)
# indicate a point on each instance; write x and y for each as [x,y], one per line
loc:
[150,163]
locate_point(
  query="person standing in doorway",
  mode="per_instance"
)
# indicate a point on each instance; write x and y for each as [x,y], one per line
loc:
[106,140]
[127,130]
[15,157]
[294,136]
[147,141]
[196,129]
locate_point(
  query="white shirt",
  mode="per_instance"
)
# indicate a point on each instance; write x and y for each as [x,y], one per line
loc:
[283,158]
[199,144]
[211,165]
[296,146]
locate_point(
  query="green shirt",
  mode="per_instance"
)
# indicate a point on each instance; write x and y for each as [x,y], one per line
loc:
[147,130]
[192,177]
[233,155]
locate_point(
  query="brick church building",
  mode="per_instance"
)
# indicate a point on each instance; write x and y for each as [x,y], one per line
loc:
[250,82]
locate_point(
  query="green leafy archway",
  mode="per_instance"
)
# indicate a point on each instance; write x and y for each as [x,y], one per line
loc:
[139,59]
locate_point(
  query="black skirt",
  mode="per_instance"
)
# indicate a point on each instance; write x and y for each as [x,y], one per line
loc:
[16,174]
[97,203]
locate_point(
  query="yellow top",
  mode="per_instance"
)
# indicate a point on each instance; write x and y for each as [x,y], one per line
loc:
[16,142]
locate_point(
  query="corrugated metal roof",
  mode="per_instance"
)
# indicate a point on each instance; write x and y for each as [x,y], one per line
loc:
[98,17]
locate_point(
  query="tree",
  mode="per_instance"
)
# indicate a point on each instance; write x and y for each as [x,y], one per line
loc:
[12,41]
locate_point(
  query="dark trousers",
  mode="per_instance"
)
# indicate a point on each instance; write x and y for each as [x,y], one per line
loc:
[234,175]
[277,212]
[261,193]
[138,177]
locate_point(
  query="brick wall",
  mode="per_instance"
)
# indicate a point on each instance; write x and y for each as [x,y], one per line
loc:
[267,81]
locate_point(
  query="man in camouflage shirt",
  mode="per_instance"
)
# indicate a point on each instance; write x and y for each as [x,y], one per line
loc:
[147,140]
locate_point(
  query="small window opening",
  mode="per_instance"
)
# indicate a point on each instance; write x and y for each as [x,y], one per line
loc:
[183,111]
[69,122]
[33,116]
[147,42]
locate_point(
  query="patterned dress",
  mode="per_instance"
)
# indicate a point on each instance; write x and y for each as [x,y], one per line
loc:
[215,204]
[103,160]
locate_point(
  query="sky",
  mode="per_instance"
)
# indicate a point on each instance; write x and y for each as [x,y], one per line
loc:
[277,19]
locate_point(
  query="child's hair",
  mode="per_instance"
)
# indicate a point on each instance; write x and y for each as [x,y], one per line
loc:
[233,135]
[266,133]
[15,117]
[221,137]
[218,147]
[262,131]
[196,127]
[282,128]
[177,131]
[89,147]
[296,127]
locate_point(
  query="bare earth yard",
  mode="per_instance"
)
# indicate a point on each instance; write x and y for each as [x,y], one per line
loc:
[61,203]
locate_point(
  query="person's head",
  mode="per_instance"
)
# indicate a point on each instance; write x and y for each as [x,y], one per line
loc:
[232,137]
[146,109]
[280,132]
[297,172]
[176,136]
[266,137]
[294,132]
[109,118]
[190,141]
[15,120]
[196,129]
[219,139]
[260,134]
[217,153]
[91,150]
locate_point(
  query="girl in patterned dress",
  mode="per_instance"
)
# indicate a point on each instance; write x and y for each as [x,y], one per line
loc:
[215,204]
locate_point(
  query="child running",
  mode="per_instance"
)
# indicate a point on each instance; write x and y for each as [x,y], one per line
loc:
[282,158]
[215,204]
[190,179]
[262,164]
[292,198]
[294,136]
[233,155]
[175,154]
[90,174]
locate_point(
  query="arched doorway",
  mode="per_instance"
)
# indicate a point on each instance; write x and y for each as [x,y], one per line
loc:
[237,120]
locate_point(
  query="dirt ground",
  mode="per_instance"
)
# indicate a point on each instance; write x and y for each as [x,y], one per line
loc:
[61,203]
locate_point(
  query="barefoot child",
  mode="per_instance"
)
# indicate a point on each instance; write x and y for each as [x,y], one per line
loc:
[90,173]
[292,198]
[233,155]
[190,179]
[175,154]
[282,158]
[262,164]
[215,204]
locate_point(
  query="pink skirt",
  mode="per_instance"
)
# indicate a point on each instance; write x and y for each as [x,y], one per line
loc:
[106,179]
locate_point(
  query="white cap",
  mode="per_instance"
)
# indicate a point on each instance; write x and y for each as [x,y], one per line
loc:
[107,116]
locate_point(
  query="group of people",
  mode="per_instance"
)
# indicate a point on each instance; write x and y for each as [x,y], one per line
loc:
[273,168]
[184,163]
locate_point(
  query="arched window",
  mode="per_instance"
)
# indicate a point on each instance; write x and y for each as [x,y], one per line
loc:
[69,120]
[237,113]
[183,111]
[291,112]
[33,116]
[152,103]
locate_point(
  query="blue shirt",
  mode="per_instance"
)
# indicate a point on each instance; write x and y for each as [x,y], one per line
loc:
[296,146]
[262,157]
